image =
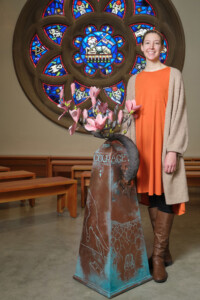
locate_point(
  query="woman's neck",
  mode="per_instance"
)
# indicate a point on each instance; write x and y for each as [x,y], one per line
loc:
[153,66]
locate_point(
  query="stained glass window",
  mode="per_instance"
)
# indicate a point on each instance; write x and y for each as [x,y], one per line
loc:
[143,7]
[116,92]
[116,7]
[53,92]
[55,67]
[55,7]
[55,32]
[164,53]
[90,43]
[37,49]
[139,65]
[139,30]
[98,50]
[80,8]
[81,93]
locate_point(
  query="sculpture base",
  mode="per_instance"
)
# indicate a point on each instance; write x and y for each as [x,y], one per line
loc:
[112,255]
[113,293]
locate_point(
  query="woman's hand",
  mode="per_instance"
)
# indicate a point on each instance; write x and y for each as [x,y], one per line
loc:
[170,162]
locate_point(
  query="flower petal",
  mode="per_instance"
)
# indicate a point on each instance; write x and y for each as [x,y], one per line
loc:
[85,114]
[72,88]
[75,114]
[120,116]
[72,128]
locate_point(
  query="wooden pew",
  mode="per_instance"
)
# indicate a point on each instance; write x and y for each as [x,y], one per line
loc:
[77,170]
[64,166]
[192,167]
[16,175]
[64,188]
[37,164]
[4,169]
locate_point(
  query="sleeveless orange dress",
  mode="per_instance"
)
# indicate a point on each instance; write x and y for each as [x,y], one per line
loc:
[151,91]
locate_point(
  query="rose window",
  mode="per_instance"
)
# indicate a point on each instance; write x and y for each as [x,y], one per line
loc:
[90,43]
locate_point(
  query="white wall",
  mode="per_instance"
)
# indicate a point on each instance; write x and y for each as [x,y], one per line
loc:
[25,131]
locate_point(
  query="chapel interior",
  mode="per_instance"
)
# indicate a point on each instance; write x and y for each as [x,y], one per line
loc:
[39,242]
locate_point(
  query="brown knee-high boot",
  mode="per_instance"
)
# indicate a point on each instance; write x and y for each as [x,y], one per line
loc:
[162,230]
[167,258]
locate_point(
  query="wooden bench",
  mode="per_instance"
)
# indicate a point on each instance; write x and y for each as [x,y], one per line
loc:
[37,164]
[77,170]
[192,167]
[4,169]
[64,166]
[64,188]
[85,183]
[16,175]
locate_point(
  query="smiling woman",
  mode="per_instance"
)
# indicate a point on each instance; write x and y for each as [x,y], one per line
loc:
[161,138]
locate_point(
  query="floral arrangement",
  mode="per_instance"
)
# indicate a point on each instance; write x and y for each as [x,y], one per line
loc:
[103,122]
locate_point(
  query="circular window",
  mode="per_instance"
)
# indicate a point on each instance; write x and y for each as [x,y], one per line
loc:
[90,43]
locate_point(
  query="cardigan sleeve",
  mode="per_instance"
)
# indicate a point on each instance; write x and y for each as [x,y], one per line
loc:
[178,136]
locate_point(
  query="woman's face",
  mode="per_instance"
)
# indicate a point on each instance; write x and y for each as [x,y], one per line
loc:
[152,47]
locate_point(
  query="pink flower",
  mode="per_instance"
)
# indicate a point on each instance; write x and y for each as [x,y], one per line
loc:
[65,105]
[73,89]
[75,114]
[110,115]
[103,107]
[61,94]
[85,114]
[94,92]
[96,124]
[120,117]
[131,106]
[72,128]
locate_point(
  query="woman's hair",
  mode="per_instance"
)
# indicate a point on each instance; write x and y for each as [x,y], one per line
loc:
[153,31]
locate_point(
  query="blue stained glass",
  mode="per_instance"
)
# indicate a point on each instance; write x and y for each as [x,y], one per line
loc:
[81,7]
[55,67]
[90,29]
[107,70]
[139,65]
[81,93]
[119,58]
[55,7]
[55,32]
[77,41]
[120,41]
[116,7]
[53,92]
[143,7]
[89,70]
[164,53]
[77,58]
[116,92]
[37,49]
[107,29]
[139,30]
[98,50]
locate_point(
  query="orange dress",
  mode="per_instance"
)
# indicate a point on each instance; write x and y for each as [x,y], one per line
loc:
[151,91]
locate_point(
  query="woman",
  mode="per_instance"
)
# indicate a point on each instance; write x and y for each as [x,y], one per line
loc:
[160,133]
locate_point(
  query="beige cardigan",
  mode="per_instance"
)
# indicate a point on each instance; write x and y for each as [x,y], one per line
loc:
[175,136]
